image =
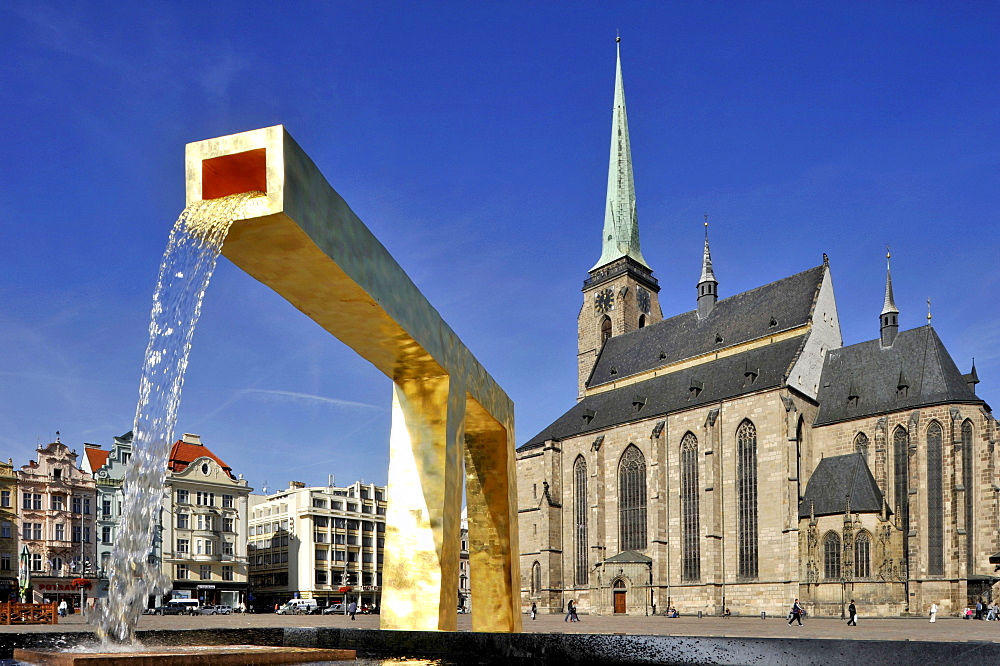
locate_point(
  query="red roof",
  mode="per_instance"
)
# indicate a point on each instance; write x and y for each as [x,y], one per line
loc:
[183,454]
[98,458]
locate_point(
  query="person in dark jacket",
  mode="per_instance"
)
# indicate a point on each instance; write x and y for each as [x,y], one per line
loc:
[796,613]
[852,615]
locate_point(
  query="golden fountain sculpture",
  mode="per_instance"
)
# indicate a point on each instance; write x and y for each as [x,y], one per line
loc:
[304,242]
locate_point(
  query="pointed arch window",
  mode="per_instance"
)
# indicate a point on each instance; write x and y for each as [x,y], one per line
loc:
[580,518]
[968,456]
[861,445]
[863,556]
[746,499]
[690,512]
[632,499]
[536,578]
[642,321]
[831,556]
[935,497]
[605,329]
[901,475]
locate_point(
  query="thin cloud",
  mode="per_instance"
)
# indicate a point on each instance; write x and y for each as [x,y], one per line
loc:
[309,397]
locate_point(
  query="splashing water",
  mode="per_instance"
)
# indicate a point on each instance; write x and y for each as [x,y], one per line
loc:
[188,263]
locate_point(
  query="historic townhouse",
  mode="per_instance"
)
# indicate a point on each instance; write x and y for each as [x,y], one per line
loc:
[204,526]
[8,531]
[56,511]
[739,456]
[108,470]
[322,543]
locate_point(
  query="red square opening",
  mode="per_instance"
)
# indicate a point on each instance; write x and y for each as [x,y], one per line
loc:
[232,174]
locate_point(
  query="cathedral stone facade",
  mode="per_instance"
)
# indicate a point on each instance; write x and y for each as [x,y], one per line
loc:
[739,456]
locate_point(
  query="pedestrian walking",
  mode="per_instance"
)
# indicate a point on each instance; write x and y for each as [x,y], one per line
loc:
[852,615]
[575,618]
[795,614]
[352,608]
[570,611]
[979,611]
[62,608]
[534,610]
[933,612]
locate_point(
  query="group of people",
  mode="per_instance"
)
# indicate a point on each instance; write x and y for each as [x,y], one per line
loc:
[571,615]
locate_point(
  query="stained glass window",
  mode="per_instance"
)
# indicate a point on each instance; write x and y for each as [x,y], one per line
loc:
[861,444]
[831,556]
[690,508]
[632,499]
[968,457]
[746,499]
[863,556]
[580,517]
[900,462]
[935,496]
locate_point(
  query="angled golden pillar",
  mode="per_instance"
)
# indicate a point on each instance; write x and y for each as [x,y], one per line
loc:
[305,243]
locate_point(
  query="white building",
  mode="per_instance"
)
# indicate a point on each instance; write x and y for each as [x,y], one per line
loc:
[204,526]
[322,543]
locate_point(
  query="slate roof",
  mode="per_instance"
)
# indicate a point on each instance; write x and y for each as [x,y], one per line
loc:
[837,479]
[719,379]
[627,556]
[737,319]
[917,358]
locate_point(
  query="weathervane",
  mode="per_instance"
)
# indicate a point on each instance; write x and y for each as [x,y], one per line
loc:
[928,310]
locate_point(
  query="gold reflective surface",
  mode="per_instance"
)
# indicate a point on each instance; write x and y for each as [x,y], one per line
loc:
[304,242]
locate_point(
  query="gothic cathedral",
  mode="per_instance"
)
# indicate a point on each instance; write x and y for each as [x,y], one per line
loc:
[739,456]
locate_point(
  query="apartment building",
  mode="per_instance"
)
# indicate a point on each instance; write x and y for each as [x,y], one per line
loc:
[8,532]
[204,526]
[322,542]
[108,470]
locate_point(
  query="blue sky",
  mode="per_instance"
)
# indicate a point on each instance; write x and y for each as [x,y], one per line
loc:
[472,138]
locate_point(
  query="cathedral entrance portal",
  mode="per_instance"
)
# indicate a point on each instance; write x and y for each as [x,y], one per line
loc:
[620,605]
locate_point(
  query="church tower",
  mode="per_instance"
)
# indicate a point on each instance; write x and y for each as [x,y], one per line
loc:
[621,293]
[889,318]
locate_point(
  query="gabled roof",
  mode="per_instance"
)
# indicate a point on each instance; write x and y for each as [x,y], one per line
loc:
[788,303]
[915,371]
[628,556]
[96,458]
[835,482]
[183,454]
[710,382]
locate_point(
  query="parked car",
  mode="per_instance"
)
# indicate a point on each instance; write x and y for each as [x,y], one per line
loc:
[165,610]
[189,606]
[298,607]
[215,610]
[334,609]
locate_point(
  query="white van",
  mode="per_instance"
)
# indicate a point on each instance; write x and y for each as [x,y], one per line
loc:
[298,607]
[188,606]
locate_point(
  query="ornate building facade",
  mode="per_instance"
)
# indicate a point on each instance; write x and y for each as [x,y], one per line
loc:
[204,526]
[739,456]
[57,521]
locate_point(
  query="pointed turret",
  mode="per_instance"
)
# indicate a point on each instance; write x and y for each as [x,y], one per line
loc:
[621,225]
[708,286]
[889,319]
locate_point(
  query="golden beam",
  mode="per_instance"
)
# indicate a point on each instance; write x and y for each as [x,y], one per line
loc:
[304,242]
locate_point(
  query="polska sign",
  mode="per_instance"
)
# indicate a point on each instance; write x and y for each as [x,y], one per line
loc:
[56,587]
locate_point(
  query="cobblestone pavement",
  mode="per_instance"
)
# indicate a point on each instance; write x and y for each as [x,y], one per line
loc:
[893,629]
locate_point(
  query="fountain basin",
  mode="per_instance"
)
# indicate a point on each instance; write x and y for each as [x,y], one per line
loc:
[188,655]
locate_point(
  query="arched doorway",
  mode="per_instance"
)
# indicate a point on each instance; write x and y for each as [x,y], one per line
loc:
[619,596]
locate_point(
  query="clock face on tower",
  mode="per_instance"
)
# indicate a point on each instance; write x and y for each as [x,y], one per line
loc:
[643,299]
[604,300]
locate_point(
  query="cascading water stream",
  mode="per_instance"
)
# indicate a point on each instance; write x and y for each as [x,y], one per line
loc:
[188,263]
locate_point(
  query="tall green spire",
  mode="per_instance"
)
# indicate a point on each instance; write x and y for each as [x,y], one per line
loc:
[621,225]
